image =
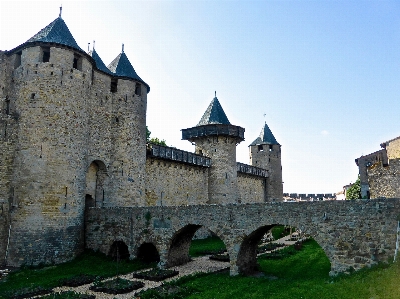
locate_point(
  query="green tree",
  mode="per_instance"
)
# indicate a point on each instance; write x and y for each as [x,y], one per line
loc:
[154,140]
[354,192]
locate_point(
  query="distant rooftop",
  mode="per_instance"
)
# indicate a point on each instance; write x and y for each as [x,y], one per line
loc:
[266,137]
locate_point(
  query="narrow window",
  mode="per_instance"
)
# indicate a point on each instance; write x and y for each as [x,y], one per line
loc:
[260,148]
[45,54]
[7,106]
[114,85]
[138,89]
[17,61]
[270,147]
[77,62]
[32,96]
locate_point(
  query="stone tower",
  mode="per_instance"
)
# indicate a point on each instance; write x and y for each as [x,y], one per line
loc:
[265,152]
[216,138]
[73,135]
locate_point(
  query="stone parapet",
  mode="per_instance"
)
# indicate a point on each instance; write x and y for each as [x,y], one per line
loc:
[213,130]
[170,153]
[252,170]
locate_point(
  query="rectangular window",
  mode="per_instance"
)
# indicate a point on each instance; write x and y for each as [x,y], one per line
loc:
[45,54]
[260,148]
[138,89]
[77,62]
[114,85]
[17,61]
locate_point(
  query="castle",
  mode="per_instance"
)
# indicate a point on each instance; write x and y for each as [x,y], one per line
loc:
[379,171]
[73,136]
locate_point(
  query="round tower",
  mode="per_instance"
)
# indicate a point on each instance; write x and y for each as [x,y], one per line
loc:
[265,152]
[129,98]
[51,77]
[216,138]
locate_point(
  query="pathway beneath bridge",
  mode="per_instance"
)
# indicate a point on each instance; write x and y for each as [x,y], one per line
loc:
[353,234]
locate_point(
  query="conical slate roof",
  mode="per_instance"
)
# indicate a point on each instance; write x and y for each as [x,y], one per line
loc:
[266,137]
[214,114]
[122,67]
[56,32]
[99,63]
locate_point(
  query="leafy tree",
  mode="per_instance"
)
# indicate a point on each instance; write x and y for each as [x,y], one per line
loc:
[354,192]
[154,140]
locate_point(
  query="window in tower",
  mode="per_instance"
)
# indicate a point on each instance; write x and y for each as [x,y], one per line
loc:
[77,62]
[138,89]
[17,61]
[45,54]
[260,148]
[114,85]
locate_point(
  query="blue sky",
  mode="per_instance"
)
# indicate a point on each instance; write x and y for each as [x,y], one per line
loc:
[326,74]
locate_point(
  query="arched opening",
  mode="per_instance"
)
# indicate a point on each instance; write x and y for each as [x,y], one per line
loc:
[96,179]
[119,251]
[183,246]
[179,248]
[247,257]
[148,253]
[284,251]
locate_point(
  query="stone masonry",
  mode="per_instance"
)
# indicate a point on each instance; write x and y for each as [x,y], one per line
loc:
[353,234]
[73,136]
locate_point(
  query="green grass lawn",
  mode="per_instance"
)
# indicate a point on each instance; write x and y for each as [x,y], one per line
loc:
[48,277]
[304,274]
[278,231]
[206,246]
[301,274]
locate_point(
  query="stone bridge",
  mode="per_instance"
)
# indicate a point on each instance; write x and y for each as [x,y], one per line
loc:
[353,234]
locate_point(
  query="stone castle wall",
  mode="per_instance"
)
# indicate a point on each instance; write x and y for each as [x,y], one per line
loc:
[170,183]
[384,181]
[251,188]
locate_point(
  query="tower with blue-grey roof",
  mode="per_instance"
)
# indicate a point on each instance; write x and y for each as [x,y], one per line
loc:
[215,137]
[73,136]
[265,152]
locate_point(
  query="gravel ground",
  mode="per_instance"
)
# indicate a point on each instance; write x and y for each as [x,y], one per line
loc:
[197,265]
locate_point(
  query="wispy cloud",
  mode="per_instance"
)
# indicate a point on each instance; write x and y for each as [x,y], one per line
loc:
[324,133]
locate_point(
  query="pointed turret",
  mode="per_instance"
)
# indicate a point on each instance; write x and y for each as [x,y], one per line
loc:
[266,137]
[99,62]
[265,152]
[122,67]
[214,114]
[56,32]
[215,137]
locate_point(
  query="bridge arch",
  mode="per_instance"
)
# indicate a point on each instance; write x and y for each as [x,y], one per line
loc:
[246,262]
[148,253]
[179,244]
[119,250]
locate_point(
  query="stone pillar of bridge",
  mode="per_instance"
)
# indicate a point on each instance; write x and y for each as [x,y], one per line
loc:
[216,138]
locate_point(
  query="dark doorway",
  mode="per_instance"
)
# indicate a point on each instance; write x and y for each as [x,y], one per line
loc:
[119,251]
[148,253]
